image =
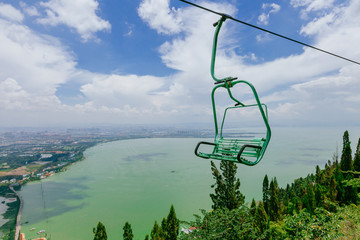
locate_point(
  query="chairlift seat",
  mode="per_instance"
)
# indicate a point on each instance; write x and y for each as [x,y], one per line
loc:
[234,150]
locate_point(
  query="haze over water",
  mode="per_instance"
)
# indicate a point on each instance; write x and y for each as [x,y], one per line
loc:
[137,181]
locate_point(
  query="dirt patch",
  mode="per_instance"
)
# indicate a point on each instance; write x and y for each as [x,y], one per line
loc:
[18,171]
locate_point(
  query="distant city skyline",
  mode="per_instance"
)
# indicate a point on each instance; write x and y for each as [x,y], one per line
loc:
[99,63]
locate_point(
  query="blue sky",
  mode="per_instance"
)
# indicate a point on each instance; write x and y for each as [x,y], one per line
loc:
[89,62]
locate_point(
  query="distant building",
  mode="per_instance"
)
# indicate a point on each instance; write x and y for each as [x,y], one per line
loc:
[45,155]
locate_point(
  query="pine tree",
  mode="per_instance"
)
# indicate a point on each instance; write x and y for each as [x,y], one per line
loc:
[346,158]
[350,195]
[171,225]
[147,237]
[340,189]
[128,234]
[266,193]
[227,193]
[253,207]
[318,175]
[261,218]
[164,227]
[274,201]
[308,200]
[332,189]
[319,199]
[100,232]
[156,232]
[356,162]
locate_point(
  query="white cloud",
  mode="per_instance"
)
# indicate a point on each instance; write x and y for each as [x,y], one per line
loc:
[317,7]
[10,13]
[29,10]
[37,62]
[117,91]
[263,37]
[159,16]
[78,14]
[14,97]
[31,68]
[130,29]
[264,17]
[313,5]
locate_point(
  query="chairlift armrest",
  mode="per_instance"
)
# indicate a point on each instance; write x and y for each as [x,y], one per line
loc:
[243,148]
[202,142]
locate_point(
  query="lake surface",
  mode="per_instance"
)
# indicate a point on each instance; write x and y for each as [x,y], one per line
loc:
[137,181]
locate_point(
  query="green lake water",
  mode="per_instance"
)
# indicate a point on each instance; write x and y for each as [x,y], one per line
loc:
[137,181]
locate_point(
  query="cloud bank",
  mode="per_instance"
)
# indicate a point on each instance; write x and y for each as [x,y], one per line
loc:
[305,88]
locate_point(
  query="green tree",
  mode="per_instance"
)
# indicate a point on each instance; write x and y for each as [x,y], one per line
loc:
[164,227]
[308,200]
[340,189]
[319,199]
[253,207]
[274,201]
[332,193]
[356,162]
[171,225]
[128,234]
[156,232]
[350,195]
[100,232]
[227,193]
[221,224]
[346,158]
[266,193]
[318,175]
[147,237]
[261,218]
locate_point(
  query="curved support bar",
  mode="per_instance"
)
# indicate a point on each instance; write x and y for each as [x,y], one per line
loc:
[218,25]
[242,150]
[198,145]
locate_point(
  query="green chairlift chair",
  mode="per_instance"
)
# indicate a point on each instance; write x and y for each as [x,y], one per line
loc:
[245,151]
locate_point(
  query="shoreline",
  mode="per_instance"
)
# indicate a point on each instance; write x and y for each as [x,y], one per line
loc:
[17,225]
[18,217]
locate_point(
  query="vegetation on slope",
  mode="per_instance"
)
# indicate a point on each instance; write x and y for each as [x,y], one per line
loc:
[321,206]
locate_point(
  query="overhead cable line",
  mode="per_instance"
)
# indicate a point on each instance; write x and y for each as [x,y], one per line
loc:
[270,32]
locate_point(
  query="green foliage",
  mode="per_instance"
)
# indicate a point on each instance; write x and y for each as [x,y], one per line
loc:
[348,222]
[308,200]
[356,162]
[169,229]
[253,207]
[266,193]
[8,228]
[261,218]
[156,232]
[346,159]
[100,232]
[350,191]
[128,234]
[223,224]
[304,225]
[274,201]
[171,225]
[227,193]
[276,231]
